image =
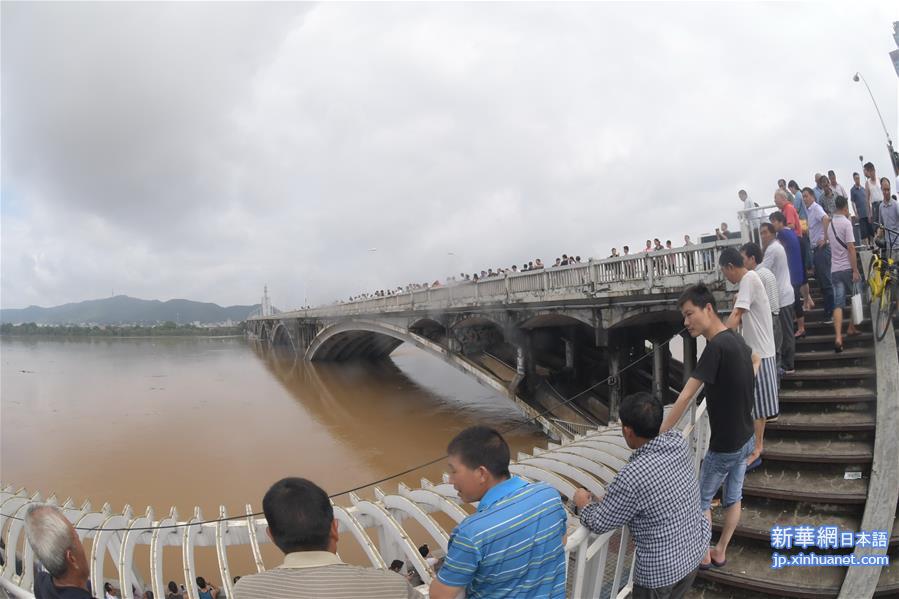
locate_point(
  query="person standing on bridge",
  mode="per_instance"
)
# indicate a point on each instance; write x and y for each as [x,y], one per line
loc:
[792,245]
[726,368]
[777,261]
[657,496]
[818,222]
[752,316]
[512,545]
[843,269]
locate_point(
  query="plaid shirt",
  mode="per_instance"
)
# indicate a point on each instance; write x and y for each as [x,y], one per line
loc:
[656,495]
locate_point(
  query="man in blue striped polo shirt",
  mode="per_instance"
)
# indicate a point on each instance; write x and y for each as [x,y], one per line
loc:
[512,545]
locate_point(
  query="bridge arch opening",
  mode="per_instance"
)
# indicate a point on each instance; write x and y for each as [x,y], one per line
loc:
[281,337]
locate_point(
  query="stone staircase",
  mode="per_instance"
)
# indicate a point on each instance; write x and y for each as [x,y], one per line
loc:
[813,456]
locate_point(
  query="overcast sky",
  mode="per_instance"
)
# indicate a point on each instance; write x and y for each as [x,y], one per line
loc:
[203,150]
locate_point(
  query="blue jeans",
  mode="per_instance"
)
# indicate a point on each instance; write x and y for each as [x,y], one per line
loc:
[822,274]
[728,468]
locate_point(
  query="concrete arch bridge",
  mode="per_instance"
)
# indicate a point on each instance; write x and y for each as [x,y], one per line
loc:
[536,337]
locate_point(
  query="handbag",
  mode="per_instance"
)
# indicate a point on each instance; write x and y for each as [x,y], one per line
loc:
[858,314]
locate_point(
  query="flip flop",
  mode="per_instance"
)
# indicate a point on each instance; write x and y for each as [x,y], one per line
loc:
[799,335]
[705,567]
[719,564]
[838,348]
[750,467]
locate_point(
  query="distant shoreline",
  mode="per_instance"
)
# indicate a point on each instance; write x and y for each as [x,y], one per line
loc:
[187,336]
[169,329]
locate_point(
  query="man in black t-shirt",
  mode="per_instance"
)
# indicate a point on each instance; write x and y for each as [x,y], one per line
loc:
[727,369]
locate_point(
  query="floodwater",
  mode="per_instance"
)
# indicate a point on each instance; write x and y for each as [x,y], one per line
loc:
[209,422]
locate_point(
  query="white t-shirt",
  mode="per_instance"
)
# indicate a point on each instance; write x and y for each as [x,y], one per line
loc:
[874,190]
[775,260]
[758,328]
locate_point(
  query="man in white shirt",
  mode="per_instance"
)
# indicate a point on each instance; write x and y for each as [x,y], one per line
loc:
[777,262]
[873,191]
[751,213]
[752,314]
[818,222]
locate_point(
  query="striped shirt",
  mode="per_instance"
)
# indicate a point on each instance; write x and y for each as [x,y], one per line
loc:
[512,546]
[657,496]
[321,575]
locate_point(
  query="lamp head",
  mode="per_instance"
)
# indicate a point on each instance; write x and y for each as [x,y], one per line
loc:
[855,78]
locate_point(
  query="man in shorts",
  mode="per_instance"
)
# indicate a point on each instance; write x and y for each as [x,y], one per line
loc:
[752,316]
[843,268]
[726,367]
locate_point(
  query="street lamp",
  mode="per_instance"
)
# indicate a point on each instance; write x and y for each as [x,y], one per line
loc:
[894,159]
[858,77]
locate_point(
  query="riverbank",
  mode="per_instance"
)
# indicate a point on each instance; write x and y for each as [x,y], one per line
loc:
[32,330]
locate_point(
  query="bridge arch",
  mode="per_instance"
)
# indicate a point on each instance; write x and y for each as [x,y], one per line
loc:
[280,337]
[363,338]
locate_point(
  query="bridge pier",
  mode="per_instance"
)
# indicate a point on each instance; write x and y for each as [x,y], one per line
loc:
[614,383]
[689,355]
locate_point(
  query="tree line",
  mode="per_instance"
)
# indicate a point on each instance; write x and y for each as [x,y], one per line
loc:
[165,329]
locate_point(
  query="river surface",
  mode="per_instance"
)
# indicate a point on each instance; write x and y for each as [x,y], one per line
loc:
[208,422]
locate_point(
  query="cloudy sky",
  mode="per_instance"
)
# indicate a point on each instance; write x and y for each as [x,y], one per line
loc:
[203,150]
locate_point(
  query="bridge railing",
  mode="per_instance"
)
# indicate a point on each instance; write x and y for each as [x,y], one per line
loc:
[630,274]
[590,460]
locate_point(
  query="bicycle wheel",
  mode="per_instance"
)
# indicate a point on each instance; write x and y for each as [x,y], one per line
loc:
[886,309]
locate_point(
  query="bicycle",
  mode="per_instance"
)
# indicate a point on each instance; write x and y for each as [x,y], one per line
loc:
[883,281]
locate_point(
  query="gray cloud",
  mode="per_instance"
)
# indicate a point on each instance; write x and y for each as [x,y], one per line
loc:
[201,150]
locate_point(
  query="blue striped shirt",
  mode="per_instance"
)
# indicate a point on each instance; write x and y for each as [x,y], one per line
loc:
[512,546]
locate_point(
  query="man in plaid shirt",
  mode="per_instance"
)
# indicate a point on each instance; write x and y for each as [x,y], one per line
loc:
[657,496]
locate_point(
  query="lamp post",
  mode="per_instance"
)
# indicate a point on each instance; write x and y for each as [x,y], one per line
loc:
[894,159]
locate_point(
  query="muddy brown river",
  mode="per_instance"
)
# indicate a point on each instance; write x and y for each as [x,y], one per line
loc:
[209,422]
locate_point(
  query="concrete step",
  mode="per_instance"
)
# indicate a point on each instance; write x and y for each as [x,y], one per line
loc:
[839,395]
[825,419]
[834,373]
[759,515]
[824,483]
[816,449]
[749,568]
[819,327]
[888,585]
[811,343]
[866,351]
[826,357]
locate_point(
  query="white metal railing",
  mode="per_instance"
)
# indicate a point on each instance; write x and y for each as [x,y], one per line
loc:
[662,269]
[590,459]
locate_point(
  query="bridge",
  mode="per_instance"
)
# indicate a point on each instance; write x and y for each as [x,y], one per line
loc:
[534,337]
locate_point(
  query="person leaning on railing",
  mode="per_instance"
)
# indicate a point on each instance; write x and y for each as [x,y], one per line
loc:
[657,496]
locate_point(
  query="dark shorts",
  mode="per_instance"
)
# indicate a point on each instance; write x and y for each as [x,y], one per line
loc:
[842,287]
[864,227]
